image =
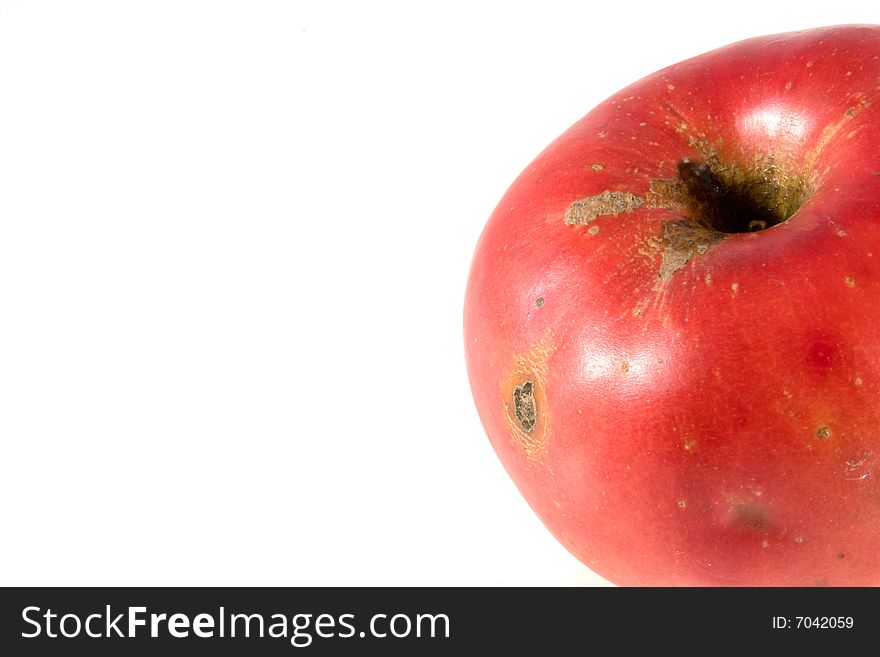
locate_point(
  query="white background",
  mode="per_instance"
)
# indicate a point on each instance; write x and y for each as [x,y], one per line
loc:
[234,240]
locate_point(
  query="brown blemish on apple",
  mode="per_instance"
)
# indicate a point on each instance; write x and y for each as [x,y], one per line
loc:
[608,203]
[667,193]
[524,405]
[744,515]
[523,395]
[683,240]
[823,433]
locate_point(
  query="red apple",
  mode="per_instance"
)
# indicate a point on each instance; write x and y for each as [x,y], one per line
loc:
[672,321]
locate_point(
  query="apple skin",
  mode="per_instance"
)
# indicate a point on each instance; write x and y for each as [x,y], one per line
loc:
[706,415]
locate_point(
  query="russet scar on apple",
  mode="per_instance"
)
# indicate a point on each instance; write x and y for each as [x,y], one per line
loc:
[525,402]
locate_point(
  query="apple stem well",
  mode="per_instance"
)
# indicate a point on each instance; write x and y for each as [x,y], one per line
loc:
[733,200]
[715,200]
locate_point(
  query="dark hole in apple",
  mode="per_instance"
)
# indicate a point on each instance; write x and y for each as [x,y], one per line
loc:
[734,200]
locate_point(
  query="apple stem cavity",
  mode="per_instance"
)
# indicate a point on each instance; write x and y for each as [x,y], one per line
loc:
[734,200]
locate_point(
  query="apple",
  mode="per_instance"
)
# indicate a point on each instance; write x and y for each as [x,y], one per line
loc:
[672,321]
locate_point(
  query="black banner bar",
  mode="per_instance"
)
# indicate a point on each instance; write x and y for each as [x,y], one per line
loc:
[426,621]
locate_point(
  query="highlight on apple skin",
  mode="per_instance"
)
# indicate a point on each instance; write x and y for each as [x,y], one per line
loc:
[672,321]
